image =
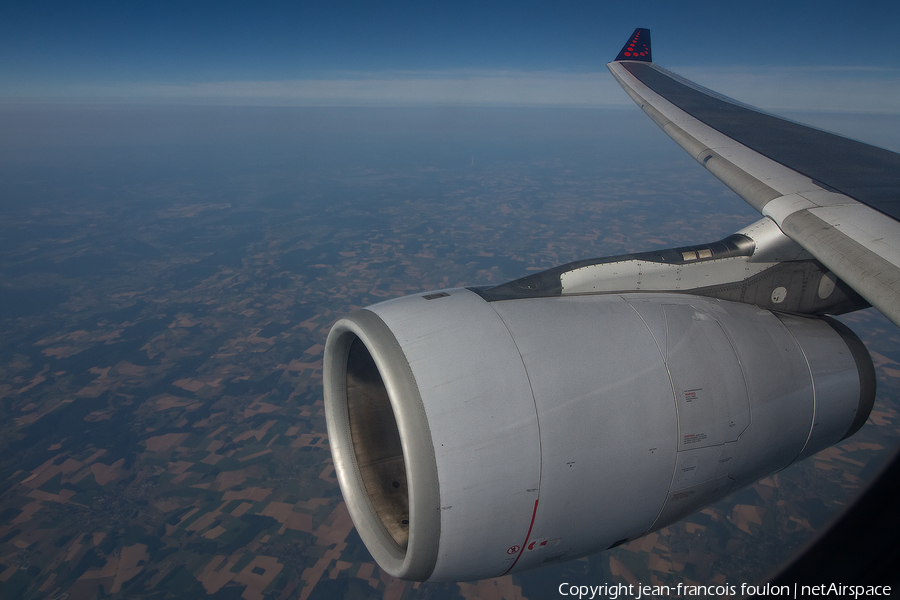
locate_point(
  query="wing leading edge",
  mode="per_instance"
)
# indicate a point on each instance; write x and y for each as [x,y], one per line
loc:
[838,198]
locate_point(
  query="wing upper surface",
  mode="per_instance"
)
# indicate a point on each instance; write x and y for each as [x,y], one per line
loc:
[836,197]
[865,173]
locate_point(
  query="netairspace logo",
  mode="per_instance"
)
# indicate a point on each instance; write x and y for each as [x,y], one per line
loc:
[640,592]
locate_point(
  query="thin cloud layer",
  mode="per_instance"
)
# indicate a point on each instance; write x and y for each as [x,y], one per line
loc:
[860,90]
[375,89]
[821,88]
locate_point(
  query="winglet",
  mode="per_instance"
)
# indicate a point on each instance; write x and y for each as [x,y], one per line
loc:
[637,47]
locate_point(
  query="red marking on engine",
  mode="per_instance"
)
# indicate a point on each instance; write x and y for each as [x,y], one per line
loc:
[527,535]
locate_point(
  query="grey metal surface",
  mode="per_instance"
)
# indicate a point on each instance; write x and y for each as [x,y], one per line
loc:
[551,282]
[607,421]
[417,559]
[829,359]
[537,430]
[875,277]
[482,426]
[710,391]
[758,265]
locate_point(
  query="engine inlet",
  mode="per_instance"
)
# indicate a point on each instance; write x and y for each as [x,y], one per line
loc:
[382,446]
[376,442]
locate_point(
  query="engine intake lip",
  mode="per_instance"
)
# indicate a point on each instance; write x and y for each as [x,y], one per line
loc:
[381,445]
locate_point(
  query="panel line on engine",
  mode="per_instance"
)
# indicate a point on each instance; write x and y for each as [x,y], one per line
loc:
[527,537]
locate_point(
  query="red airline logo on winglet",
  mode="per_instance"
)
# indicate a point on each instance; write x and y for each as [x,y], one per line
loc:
[638,47]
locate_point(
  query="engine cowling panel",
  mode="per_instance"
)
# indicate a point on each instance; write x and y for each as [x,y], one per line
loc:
[475,438]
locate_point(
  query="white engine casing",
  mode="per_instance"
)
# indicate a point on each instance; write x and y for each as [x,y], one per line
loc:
[514,433]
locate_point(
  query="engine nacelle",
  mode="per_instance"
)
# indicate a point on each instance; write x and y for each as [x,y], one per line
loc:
[475,438]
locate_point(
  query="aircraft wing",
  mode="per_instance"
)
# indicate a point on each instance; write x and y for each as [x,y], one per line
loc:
[836,197]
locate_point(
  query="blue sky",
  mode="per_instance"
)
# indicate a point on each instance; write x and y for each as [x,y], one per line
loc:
[443,52]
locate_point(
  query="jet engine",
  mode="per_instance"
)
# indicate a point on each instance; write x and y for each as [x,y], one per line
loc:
[474,438]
